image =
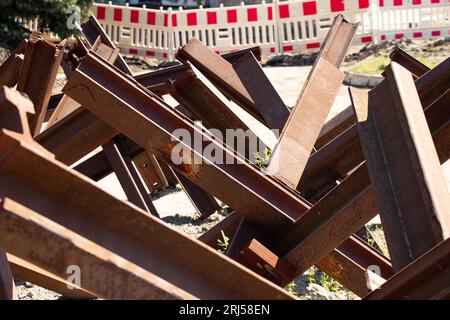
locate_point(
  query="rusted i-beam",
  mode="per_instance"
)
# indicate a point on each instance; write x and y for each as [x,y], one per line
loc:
[150,127]
[67,105]
[38,74]
[255,197]
[7,286]
[22,269]
[58,208]
[403,165]
[413,65]
[301,130]
[92,30]
[29,235]
[296,141]
[128,175]
[346,118]
[215,115]
[10,68]
[341,155]
[265,105]
[425,278]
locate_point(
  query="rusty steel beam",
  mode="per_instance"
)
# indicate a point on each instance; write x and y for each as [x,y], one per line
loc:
[228,226]
[331,221]
[156,79]
[225,77]
[128,175]
[10,68]
[58,208]
[341,155]
[303,126]
[68,105]
[145,163]
[7,286]
[205,106]
[266,99]
[267,263]
[202,103]
[72,139]
[98,166]
[220,72]
[38,74]
[267,203]
[355,274]
[92,30]
[346,118]
[413,65]
[335,126]
[403,165]
[296,142]
[24,270]
[29,235]
[350,264]
[75,136]
[425,278]
[203,202]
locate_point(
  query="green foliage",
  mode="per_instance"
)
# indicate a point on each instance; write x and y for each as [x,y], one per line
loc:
[311,275]
[263,160]
[290,288]
[223,243]
[329,283]
[51,14]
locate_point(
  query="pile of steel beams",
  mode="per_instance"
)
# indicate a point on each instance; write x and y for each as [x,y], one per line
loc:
[307,205]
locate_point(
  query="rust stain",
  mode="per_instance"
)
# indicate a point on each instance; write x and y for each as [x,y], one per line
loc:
[187,165]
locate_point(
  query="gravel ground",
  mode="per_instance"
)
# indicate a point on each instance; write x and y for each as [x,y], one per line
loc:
[175,208]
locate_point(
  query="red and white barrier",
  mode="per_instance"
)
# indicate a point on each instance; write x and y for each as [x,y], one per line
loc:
[285,26]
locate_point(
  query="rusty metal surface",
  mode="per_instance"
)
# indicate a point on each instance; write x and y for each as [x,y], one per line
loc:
[303,126]
[24,270]
[335,126]
[68,105]
[296,142]
[7,286]
[278,270]
[38,74]
[349,265]
[269,204]
[337,41]
[273,231]
[10,68]
[405,171]
[342,154]
[267,101]
[429,86]
[220,72]
[205,106]
[340,213]
[92,30]
[102,236]
[203,202]
[145,165]
[154,79]
[29,235]
[128,175]
[75,136]
[414,66]
[428,277]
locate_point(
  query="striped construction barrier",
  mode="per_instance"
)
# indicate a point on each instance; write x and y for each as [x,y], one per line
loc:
[278,27]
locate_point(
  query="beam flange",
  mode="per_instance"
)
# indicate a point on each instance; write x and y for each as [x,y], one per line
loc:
[403,165]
